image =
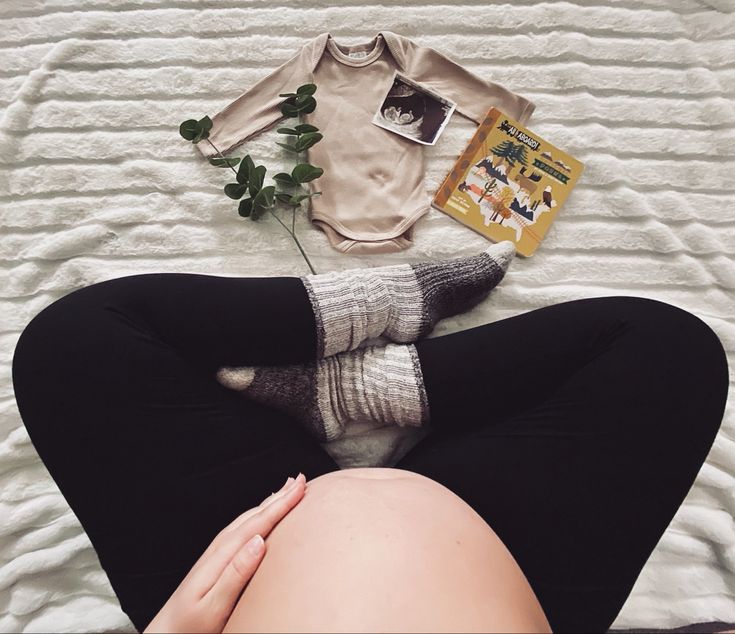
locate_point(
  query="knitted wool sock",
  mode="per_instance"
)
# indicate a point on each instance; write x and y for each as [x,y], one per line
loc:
[379,384]
[401,302]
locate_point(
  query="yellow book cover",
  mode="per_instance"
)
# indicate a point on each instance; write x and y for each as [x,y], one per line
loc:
[509,183]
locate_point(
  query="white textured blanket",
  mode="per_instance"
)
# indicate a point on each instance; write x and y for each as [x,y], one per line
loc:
[96,184]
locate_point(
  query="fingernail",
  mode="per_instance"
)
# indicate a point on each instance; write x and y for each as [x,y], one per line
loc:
[287,488]
[255,545]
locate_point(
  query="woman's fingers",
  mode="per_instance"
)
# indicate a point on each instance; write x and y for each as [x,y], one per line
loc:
[224,594]
[224,542]
[209,569]
[206,597]
[240,520]
[240,567]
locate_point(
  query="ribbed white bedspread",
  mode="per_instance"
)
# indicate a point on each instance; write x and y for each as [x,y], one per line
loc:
[96,183]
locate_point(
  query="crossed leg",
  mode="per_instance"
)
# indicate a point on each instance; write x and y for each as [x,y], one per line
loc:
[575,431]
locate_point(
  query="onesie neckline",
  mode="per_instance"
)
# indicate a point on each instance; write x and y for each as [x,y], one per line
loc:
[341,51]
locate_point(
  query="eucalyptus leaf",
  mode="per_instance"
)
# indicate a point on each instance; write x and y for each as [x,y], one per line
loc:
[297,198]
[256,180]
[189,129]
[306,140]
[288,147]
[245,169]
[205,123]
[235,190]
[284,179]
[287,131]
[245,207]
[289,110]
[308,106]
[306,89]
[304,172]
[302,102]
[263,201]
[305,127]
[264,198]
[283,197]
[224,162]
[247,166]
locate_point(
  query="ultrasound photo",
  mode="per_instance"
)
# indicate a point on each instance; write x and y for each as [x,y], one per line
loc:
[413,111]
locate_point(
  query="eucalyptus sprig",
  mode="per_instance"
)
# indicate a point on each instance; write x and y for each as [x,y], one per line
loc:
[250,177]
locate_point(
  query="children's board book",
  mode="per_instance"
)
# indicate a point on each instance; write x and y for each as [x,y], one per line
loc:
[509,183]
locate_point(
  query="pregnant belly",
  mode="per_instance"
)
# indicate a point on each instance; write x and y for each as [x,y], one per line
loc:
[378,549]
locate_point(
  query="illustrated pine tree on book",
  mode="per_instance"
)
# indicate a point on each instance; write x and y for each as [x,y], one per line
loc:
[508,184]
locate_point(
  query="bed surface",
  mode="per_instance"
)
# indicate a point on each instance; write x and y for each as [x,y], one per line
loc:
[96,184]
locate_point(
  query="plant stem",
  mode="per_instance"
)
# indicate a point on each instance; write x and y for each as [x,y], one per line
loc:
[216,149]
[295,239]
[291,232]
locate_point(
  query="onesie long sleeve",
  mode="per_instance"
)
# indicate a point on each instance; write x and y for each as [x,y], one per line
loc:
[373,189]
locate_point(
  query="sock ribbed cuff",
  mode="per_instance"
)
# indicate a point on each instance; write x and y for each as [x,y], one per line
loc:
[413,383]
[379,384]
[349,307]
[401,302]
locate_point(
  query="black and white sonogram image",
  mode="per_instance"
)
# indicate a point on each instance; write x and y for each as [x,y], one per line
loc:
[413,112]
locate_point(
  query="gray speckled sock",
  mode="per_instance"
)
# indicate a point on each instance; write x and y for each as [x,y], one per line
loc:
[378,384]
[401,302]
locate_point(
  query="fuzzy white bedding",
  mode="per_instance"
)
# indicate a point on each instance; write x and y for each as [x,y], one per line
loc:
[96,183]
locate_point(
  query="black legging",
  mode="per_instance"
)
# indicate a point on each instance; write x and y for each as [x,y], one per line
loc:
[575,430]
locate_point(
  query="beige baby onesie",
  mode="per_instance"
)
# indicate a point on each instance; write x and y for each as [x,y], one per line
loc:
[373,183]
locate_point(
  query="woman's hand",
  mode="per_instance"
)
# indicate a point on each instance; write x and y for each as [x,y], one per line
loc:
[207,596]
